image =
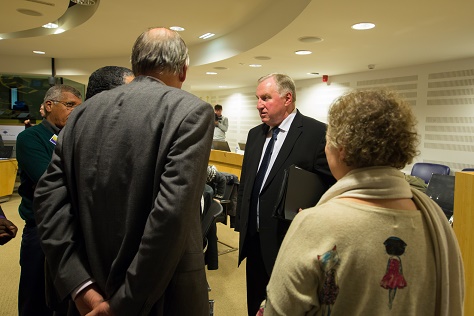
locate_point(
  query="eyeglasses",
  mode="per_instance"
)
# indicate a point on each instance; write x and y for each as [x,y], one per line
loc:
[66,104]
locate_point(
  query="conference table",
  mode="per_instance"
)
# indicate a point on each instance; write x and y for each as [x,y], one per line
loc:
[226,161]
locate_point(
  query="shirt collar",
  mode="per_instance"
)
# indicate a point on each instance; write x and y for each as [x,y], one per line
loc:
[53,128]
[285,125]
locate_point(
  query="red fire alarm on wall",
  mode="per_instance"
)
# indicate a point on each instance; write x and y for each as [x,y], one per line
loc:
[325,78]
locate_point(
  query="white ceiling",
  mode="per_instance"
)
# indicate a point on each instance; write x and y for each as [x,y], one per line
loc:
[407,33]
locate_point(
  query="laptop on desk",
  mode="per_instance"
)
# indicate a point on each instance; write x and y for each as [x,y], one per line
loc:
[220,145]
[6,152]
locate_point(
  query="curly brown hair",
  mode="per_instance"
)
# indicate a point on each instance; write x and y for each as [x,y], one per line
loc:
[374,127]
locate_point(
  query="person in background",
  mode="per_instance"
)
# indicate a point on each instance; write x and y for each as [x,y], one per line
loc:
[34,148]
[372,245]
[221,123]
[296,139]
[118,208]
[106,78]
[8,230]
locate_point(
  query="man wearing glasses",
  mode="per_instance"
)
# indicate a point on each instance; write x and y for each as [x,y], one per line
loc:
[34,148]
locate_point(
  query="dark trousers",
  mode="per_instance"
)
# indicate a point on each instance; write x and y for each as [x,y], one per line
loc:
[31,292]
[256,274]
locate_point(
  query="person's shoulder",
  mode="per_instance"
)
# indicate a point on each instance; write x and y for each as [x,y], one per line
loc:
[307,120]
[35,129]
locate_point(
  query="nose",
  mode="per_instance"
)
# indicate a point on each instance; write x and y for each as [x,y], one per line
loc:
[260,104]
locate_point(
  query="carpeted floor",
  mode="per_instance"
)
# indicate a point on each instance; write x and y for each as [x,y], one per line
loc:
[227,283]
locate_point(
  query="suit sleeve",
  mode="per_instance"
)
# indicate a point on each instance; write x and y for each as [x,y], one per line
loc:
[57,226]
[321,165]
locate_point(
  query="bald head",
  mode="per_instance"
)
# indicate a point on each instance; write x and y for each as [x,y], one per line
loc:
[159,52]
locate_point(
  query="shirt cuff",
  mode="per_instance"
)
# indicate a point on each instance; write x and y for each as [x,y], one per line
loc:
[81,287]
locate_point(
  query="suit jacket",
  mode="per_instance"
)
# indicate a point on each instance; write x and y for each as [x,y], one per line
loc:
[120,201]
[303,146]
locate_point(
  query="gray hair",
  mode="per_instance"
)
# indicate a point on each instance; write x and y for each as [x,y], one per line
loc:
[284,84]
[159,50]
[54,93]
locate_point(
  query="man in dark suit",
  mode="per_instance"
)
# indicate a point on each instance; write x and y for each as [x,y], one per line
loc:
[298,140]
[118,208]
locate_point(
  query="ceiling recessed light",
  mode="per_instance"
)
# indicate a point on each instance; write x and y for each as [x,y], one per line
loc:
[211,73]
[1,38]
[39,52]
[207,35]
[222,87]
[262,58]
[177,28]
[220,68]
[50,26]
[363,26]
[310,39]
[255,65]
[29,12]
[313,73]
[303,52]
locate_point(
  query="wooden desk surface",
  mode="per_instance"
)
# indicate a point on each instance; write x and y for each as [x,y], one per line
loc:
[8,171]
[226,161]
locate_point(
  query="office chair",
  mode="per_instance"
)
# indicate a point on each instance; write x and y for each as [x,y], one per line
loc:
[215,209]
[424,170]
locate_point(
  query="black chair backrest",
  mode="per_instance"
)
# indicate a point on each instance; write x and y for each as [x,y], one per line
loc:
[215,209]
[424,170]
[441,190]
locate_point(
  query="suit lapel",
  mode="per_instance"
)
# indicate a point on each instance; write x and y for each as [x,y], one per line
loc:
[256,150]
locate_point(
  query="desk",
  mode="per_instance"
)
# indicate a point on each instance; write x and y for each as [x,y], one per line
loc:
[463,225]
[8,170]
[226,161]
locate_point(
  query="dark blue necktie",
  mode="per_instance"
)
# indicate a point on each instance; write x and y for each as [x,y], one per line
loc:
[257,185]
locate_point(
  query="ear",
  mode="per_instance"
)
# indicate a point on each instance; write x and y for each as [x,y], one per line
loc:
[48,106]
[288,98]
[182,74]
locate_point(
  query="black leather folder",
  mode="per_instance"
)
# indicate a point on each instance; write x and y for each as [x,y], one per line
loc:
[300,189]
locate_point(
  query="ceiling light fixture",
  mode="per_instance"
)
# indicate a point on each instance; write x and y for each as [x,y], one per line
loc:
[29,12]
[59,31]
[207,35]
[262,58]
[363,26]
[211,73]
[84,2]
[310,39]
[39,52]
[51,25]
[313,73]
[303,52]
[177,28]
[255,65]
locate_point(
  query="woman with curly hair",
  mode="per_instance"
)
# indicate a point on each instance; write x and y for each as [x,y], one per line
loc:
[343,256]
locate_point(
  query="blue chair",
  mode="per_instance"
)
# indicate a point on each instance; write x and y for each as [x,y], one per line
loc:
[424,170]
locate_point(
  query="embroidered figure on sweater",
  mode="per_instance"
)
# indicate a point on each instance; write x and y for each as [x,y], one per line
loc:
[393,278]
[329,261]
